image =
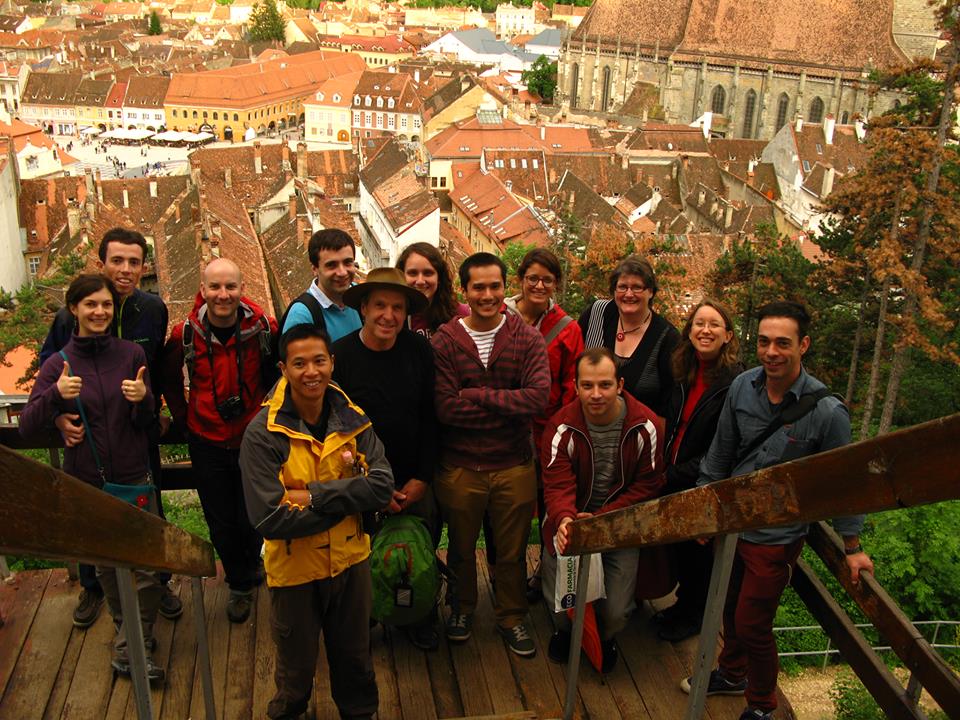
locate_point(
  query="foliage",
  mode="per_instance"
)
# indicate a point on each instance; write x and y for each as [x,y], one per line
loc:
[266,23]
[154,27]
[512,255]
[852,701]
[541,78]
[304,4]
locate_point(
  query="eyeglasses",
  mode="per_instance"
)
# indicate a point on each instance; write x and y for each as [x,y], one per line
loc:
[635,289]
[534,280]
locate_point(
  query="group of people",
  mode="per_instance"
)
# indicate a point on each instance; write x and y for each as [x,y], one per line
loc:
[391,396]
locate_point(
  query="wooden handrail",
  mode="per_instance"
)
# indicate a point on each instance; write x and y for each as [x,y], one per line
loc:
[45,512]
[915,466]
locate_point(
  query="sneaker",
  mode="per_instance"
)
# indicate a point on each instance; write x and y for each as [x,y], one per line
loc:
[718,685]
[756,714]
[424,635]
[88,608]
[519,640]
[667,614]
[170,606]
[678,629]
[121,664]
[558,650]
[238,606]
[609,656]
[458,627]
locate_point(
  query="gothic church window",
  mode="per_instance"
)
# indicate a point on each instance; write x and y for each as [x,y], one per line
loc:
[575,85]
[718,100]
[816,110]
[748,108]
[605,93]
[783,106]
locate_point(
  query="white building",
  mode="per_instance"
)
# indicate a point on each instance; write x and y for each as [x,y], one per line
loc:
[512,21]
[13,270]
[480,47]
[13,78]
[327,115]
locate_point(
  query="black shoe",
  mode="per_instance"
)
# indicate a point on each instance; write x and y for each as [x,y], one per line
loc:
[667,614]
[678,629]
[170,605]
[756,714]
[609,655]
[718,685]
[424,635]
[558,649]
[88,608]
[238,605]
[121,664]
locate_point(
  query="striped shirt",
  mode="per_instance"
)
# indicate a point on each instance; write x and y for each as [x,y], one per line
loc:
[483,340]
[606,443]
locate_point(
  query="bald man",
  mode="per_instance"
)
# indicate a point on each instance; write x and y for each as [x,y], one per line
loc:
[217,370]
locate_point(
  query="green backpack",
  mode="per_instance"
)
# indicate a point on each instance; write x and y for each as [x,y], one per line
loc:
[406,580]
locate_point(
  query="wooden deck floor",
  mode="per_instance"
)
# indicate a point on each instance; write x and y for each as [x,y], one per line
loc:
[49,669]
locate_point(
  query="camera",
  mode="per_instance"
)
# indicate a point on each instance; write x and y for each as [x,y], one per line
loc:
[231,409]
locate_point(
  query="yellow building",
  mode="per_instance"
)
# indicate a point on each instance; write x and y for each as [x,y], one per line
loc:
[264,96]
[91,104]
[377,51]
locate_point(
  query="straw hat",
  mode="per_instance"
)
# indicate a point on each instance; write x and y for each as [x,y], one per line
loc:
[386,278]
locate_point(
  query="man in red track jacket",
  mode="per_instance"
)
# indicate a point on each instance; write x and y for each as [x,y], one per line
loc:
[492,378]
[601,452]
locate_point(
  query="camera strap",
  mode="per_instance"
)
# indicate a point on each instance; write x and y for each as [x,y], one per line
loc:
[213,374]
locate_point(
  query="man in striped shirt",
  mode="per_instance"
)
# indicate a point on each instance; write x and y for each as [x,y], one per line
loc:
[492,378]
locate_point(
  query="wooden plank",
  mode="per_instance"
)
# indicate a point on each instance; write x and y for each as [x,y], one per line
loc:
[875,676]
[58,694]
[386,677]
[92,681]
[215,592]
[264,686]
[416,698]
[37,668]
[46,513]
[542,626]
[238,700]
[182,660]
[915,466]
[895,628]
[494,655]
[523,715]
[19,602]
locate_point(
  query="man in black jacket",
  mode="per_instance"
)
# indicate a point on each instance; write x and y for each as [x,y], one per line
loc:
[141,318]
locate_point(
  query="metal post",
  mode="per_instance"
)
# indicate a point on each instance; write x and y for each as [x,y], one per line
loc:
[136,652]
[203,648]
[826,655]
[724,549]
[576,637]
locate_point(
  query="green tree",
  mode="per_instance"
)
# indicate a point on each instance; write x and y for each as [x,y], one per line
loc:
[266,23]
[541,78]
[154,26]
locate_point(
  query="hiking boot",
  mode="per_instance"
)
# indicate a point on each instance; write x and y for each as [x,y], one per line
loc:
[238,606]
[678,628]
[121,664]
[756,714]
[170,605]
[458,627]
[667,614]
[718,685]
[609,655]
[519,640]
[559,648]
[424,635]
[88,608]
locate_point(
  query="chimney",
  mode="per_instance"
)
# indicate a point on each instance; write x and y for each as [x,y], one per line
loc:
[416,76]
[153,188]
[543,133]
[81,191]
[799,124]
[88,181]
[41,220]
[257,160]
[292,206]
[827,186]
[228,177]
[51,192]
[284,155]
[301,160]
[829,124]
[73,219]
[509,185]
[126,196]
[751,164]
[728,216]
[860,127]
[571,200]
[624,161]
[99,185]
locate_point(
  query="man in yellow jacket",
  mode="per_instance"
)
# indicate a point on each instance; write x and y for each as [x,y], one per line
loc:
[311,465]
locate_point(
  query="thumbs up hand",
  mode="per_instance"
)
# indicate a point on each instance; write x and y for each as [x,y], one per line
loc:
[69,387]
[135,390]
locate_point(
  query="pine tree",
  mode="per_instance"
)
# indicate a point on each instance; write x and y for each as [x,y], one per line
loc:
[266,23]
[155,28]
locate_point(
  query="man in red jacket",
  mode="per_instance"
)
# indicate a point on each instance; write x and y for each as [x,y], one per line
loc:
[492,378]
[221,357]
[601,452]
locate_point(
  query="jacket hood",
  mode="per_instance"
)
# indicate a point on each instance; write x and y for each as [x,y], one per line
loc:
[250,313]
[571,415]
[346,419]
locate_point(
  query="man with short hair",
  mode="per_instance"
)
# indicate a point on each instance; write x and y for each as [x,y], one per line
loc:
[601,452]
[333,258]
[223,353]
[388,371]
[746,441]
[312,465]
[141,318]
[493,377]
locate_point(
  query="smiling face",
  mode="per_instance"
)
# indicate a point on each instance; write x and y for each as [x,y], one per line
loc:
[123,266]
[222,289]
[384,314]
[484,293]
[538,284]
[420,274]
[780,349]
[94,313]
[599,390]
[709,333]
[308,368]
[632,296]
[335,271]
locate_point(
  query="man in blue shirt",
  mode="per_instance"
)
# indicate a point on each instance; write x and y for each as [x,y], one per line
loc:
[333,257]
[765,558]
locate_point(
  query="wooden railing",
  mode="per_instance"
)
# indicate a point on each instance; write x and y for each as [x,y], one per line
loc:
[915,466]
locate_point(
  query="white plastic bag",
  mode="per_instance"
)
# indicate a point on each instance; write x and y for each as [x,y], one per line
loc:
[565,590]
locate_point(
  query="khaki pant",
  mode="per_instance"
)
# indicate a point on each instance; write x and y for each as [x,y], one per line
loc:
[149,591]
[509,496]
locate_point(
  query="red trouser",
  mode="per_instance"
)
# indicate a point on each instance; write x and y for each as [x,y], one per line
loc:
[760,574]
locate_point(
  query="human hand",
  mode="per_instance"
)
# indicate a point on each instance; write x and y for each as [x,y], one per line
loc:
[298,497]
[135,390]
[413,491]
[69,385]
[72,432]
[396,503]
[858,563]
[562,539]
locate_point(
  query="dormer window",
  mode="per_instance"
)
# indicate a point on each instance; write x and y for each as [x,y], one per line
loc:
[356,99]
[819,149]
[806,166]
[379,102]
[368,101]
[336,97]
[320,96]
[390,103]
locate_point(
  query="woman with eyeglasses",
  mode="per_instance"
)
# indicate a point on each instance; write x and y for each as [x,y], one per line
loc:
[641,340]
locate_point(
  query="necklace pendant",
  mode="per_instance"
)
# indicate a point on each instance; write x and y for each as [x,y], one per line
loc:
[620,336]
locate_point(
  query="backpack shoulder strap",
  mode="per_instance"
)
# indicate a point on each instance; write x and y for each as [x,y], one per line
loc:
[316,310]
[189,353]
[803,406]
[557,329]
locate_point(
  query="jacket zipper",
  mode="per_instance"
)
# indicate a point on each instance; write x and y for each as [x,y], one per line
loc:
[698,408]
[623,478]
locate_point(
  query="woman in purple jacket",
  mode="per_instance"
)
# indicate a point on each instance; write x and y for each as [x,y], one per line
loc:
[105,381]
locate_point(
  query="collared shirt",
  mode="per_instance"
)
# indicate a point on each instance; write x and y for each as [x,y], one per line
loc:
[340,321]
[746,413]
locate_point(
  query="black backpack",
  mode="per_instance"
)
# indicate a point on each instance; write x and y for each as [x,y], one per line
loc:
[269,372]
[316,312]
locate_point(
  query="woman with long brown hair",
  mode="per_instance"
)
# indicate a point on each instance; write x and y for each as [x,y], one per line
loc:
[704,364]
[424,268]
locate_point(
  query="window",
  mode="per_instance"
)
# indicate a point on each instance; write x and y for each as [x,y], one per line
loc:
[204,114]
[434,182]
[536,163]
[783,107]
[443,182]
[392,121]
[32,162]
[367,101]
[379,120]
[574,85]
[194,114]
[513,163]
[845,118]
[403,122]
[34,265]
[390,103]
[216,116]
[368,119]
[718,100]
[313,131]
[605,90]
[498,163]
[356,118]
[416,121]
[816,110]
[356,99]
[806,166]
[819,149]
[749,105]
[174,112]
[379,102]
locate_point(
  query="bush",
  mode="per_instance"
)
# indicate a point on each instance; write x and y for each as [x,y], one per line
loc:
[851,701]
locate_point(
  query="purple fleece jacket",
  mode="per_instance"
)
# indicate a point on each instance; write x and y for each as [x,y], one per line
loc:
[117,425]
